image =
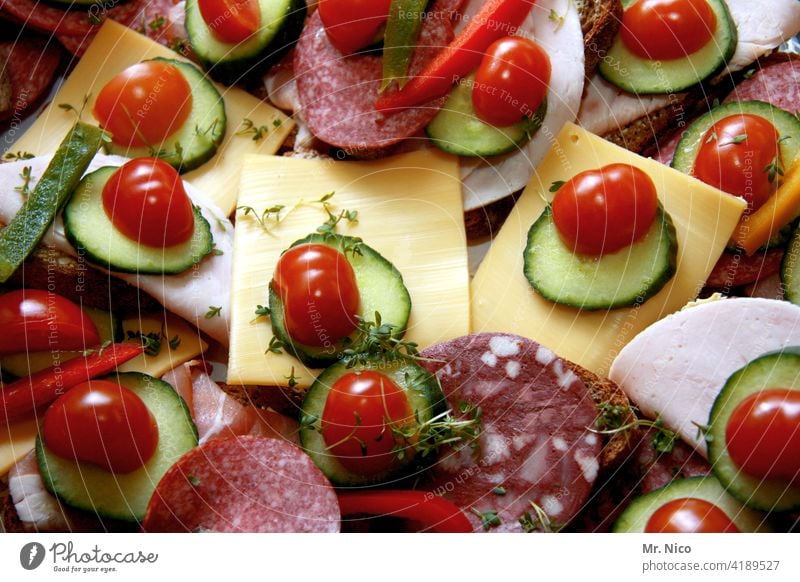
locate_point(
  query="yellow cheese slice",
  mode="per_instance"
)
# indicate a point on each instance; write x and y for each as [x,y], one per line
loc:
[409,210]
[188,345]
[117,47]
[504,301]
[16,441]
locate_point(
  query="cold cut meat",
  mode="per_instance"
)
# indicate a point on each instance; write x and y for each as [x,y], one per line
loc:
[244,484]
[739,269]
[337,94]
[534,445]
[31,65]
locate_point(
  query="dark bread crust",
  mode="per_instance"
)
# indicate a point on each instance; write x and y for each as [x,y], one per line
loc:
[600,22]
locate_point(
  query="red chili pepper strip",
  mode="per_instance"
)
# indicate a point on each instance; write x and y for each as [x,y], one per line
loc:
[497,18]
[436,514]
[20,398]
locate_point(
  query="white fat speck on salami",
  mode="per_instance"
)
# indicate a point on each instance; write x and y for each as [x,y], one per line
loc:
[534,431]
[244,484]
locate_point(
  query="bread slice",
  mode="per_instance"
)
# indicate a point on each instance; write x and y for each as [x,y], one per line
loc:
[600,22]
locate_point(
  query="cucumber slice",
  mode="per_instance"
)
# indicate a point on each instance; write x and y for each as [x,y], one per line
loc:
[457,129]
[628,277]
[634,74]
[197,140]
[22,365]
[90,231]
[381,289]
[770,370]
[281,24]
[22,235]
[425,398]
[124,496]
[785,123]
[635,517]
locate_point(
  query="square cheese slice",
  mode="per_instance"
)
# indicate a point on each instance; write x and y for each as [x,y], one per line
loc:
[504,301]
[117,47]
[409,210]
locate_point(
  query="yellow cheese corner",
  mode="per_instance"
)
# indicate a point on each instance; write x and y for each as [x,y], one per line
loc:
[16,441]
[504,301]
[409,210]
[117,47]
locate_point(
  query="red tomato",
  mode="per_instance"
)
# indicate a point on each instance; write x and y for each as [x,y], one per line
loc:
[35,321]
[511,82]
[735,155]
[353,24]
[231,21]
[145,199]
[144,104]
[763,434]
[103,423]
[319,292]
[361,409]
[667,29]
[602,211]
[690,515]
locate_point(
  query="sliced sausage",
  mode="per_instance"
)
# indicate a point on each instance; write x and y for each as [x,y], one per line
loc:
[534,444]
[31,65]
[244,484]
[738,269]
[337,94]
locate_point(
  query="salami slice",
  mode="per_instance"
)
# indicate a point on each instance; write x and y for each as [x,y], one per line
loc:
[337,94]
[738,269]
[534,444]
[31,65]
[244,484]
[777,83]
[52,19]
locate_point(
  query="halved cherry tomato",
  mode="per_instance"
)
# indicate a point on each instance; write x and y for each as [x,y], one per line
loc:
[602,211]
[231,21]
[667,29]
[32,320]
[763,434]
[144,104]
[352,24]
[735,156]
[511,82]
[690,515]
[103,423]
[319,292]
[145,199]
[357,421]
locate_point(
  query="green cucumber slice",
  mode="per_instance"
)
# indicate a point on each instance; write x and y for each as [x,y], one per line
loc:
[770,370]
[197,140]
[644,76]
[457,130]
[628,277]
[380,286]
[92,233]
[425,399]
[635,517]
[124,496]
[281,24]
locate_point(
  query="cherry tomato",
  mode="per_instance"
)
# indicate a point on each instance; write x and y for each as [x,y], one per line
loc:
[511,82]
[35,321]
[667,29]
[145,199]
[231,21]
[690,515]
[763,434]
[103,423]
[361,409]
[144,104]
[735,155]
[602,211]
[353,24]
[319,292]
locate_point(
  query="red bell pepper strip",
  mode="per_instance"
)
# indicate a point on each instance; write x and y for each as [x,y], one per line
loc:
[497,19]
[20,398]
[436,514]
